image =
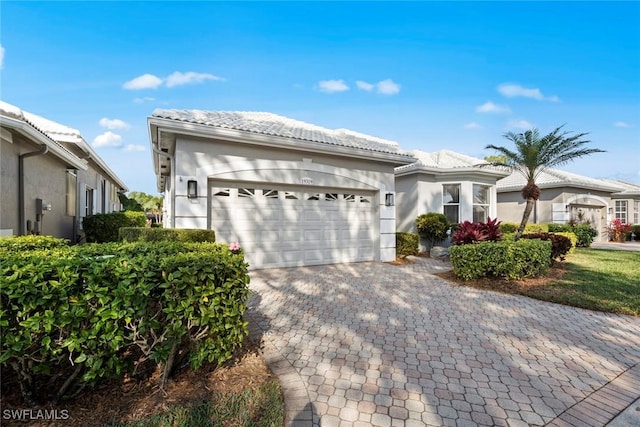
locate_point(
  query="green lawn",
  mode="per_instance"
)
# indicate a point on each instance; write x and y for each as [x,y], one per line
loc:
[604,280]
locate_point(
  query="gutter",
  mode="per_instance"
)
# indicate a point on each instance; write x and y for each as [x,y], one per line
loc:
[44,149]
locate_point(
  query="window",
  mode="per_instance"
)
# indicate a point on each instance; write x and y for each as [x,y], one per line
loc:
[330,197]
[70,194]
[88,209]
[451,202]
[621,210]
[246,192]
[270,194]
[636,212]
[480,202]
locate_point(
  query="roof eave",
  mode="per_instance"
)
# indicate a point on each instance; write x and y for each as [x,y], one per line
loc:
[560,185]
[234,135]
[402,171]
[35,135]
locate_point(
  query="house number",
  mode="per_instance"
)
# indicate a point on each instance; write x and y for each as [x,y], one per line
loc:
[307,181]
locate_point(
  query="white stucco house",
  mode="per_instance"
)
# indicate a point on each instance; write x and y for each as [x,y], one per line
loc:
[449,183]
[291,193]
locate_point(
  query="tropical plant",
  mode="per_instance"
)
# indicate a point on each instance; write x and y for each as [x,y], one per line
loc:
[471,232]
[533,154]
[433,226]
[618,230]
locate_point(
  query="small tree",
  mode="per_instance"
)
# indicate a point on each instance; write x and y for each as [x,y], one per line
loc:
[433,227]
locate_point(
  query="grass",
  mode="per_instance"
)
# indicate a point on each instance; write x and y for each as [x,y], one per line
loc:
[260,406]
[603,280]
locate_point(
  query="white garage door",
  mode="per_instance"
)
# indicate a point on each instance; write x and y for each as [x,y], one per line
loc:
[284,227]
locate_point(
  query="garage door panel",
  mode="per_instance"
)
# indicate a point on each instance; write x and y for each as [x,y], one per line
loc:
[294,227]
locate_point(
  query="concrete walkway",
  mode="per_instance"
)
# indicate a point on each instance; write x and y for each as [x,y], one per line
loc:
[373,344]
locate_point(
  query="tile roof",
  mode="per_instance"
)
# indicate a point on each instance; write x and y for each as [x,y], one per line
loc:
[551,178]
[279,126]
[626,188]
[448,160]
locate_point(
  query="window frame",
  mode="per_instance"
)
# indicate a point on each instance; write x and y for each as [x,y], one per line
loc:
[451,204]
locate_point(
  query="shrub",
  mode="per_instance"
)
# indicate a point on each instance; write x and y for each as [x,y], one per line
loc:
[137,234]
[471,232]
[433,227]
[585,234]
[504,259]
[560,245]
[618,230]
[76,315]
[572,238]
[31,242]
[559,228]
[102,228]
[512,227]
[508,227]
[407,244]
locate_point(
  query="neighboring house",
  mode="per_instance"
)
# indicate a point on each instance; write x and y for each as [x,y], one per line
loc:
[291,193]
[50,178]
[446,182]
[568,197]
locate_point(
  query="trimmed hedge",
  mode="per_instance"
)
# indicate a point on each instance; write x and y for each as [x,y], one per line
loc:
[512,227]
[137,234]
[560,245]
[432,226]
[102,228]
[504,259]
[77,315]
[407,244]
[31,242]
[572,238]
[584,232]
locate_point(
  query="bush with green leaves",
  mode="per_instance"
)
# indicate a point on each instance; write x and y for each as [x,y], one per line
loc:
[583,232]
[74,316]
[572,238]
[407,244]
[102,228]
[31,242]
[433,227]
[137,234]
[512,227]
[504,259]
[560,245]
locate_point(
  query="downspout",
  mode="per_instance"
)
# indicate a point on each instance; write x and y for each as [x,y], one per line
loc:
[21,210]
[173,182]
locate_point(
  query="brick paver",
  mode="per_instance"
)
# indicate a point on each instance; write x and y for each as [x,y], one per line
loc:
[377,344]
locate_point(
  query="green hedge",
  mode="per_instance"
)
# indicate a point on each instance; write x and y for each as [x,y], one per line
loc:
[81,314]
[407,244]
[102,228]
[504,259]
[31,242]
[137,234]
[584,232]
[512,227]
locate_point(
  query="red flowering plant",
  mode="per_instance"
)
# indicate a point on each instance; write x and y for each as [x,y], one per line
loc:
[470,232]
[618,230]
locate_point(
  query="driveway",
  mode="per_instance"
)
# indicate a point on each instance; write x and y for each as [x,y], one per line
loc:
[373,344]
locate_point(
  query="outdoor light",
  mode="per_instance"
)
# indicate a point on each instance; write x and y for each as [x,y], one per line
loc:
[388,199]
[192,189]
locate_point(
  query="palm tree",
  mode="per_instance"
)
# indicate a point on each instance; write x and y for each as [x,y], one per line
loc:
[534,154]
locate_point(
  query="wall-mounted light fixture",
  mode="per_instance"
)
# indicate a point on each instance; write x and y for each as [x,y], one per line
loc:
[192,189]
[388,199]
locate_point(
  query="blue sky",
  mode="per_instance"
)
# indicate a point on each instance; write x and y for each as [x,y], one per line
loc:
[425,74]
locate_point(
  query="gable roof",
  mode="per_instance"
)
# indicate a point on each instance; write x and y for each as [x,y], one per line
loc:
[446,162]
[554,178]
[269,124]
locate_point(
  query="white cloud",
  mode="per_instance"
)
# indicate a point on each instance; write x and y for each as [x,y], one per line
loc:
[113,123]
[331,86]
[472,125]
[364,85]
[512,90]
[130,148]
[490,107]
[143,99]
[621,124]
[107,139]
[520,124]
[145,81]
[1,56]
[179,79]
[388,87]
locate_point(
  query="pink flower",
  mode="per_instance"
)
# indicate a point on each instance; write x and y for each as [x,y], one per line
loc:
[235,246]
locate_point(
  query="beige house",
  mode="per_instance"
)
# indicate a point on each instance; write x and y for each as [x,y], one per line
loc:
[290,193]
[50,178]
[568,197]
[446,182]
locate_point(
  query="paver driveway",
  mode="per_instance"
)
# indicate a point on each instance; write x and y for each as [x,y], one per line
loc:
[376,344]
